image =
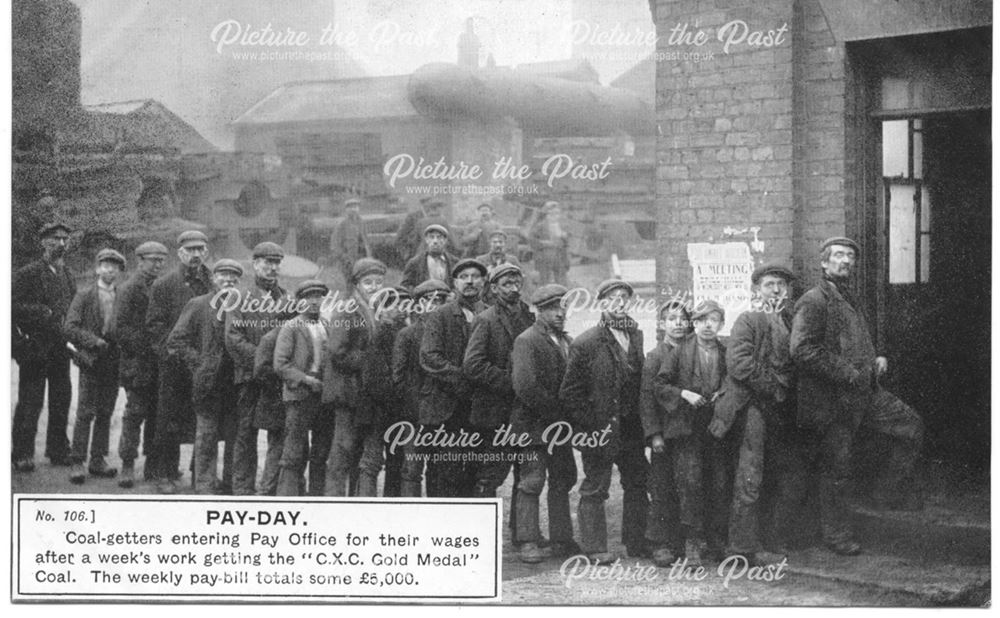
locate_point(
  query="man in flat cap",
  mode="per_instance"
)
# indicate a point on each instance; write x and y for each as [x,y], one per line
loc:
[301,358]
[357,441]
[199,340]
[410,234]
[497,253]
[167,297]
[349,241]
[90,328]
[262,307]
[40,296]
[445,398]
[601,392]
[550,245]
[758,406]
[839,392]
[663,532]
[538,363]
[137,368]
[687,387]
[487,365]
[476,237]
[434,262]
[409,377]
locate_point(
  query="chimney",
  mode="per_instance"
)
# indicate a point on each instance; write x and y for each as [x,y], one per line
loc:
[468,46]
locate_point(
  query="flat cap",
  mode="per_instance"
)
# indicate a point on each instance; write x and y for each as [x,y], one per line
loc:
[771,269]
[429,288]
[268,249]
[110,255]
[503,270]
[706,307]
[435,202]
[229,266]
[49,228]
[191,236]
[367,266]
[311,286]
[675,305]
[550,206]
[469,263]
[548,294]
[497,233]
[434,227]
[840,240]
[352,201]
[609,284]
[151,247]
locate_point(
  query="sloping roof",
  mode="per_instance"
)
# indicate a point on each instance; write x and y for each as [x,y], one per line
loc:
[135,125]
[343,99]
[640,79]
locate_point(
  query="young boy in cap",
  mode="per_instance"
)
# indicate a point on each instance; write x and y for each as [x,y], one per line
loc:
[300,359]
[663,525]
[687,387]
[356,430]
[434,262]
[244,330]
[408,377]
[199,340]
[538,363]
[601,392]
[137,366]
[445,397]
[758,403]
[174,414]
[90,327]
[40,296]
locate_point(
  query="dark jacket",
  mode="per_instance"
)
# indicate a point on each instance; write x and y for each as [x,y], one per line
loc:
[39,302]
[137,367]
[538,366]
[293,358]
[381,397]
[349,240]
[679,372]
[198,339]
[602,381]
[508,258]
[752,377]
[650,410]
[834,356]
[487,362]
[407,376]
[244,330]
[167,298]
[270,411]
[351,334]
[84,328]
[446,389]
[415,271]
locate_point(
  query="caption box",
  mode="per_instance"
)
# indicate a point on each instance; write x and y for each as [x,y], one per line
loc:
[107,548]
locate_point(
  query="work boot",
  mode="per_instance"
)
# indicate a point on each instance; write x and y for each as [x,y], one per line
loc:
[763,558]
[692,552]
[167,487]
[846,547]
[564,549]
[100,469]
[531,553]
[603,557]
[78,474]
[663,557]
[24,465]
[127,479]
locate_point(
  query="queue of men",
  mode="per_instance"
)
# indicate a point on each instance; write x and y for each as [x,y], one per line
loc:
[736,430]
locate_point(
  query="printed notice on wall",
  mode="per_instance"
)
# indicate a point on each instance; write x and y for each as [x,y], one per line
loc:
[722,273]
[135,548]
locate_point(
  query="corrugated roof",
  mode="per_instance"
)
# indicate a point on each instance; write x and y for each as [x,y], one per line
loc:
[343,99]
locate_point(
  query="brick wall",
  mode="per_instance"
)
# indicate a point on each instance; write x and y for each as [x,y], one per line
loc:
[724,157]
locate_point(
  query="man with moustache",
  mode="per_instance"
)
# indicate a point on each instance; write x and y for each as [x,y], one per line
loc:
[538,362]
[300,359]
[409,378]
[601,392]
[349,241]
[199,340]
[89,327]
[357,441]
[432,263]
[446,391]
[40,296]
[663,523]
[410,234]
[244,330]
[487,365]
[838,393]
[758,405]
[137,367]
[167,298]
